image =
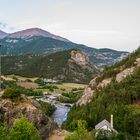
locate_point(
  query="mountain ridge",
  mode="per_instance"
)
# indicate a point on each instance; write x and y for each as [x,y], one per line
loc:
[27,33]
[39,42]
[3,34]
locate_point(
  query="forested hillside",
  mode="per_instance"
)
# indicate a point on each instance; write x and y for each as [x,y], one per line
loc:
[122,99]
[128,62]
[66,66]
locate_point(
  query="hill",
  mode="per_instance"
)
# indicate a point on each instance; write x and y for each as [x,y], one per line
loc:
[2,34]
[67,66]
[36,41]
[116,91]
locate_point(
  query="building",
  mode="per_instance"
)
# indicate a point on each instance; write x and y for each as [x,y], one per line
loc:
[50,81]
[105,125]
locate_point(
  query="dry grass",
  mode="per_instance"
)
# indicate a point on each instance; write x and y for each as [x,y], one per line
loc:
[74,85]
[27,85]
[25,78]
[20,78]
[71,85]
[7,78]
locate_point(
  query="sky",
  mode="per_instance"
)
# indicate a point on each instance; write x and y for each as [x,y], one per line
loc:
[111,24]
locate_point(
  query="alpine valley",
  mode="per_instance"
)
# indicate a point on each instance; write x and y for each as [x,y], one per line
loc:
[55,89]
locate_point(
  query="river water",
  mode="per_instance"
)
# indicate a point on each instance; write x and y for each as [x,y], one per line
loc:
[61,112]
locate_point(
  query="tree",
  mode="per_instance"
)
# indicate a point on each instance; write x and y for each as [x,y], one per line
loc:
[73,136]
[3,132]
[80,133]
[106,135]
[22,130]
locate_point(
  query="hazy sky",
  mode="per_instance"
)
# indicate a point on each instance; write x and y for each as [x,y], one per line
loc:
[97,23]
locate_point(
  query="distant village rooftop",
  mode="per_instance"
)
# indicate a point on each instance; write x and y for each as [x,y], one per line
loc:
[50,81]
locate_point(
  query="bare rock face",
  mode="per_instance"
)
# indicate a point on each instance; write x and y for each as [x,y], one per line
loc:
[93,83]
[120,76]
[86,96]
[105,82]
[80,57]
[126,72]
[137,62]
[80,68]
[10,110]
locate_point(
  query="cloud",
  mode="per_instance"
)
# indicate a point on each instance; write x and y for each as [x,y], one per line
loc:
[3,25]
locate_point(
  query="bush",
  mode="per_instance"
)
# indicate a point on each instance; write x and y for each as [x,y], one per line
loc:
[70,97]
[22,130]
[31,92]
[12,93]
[40,82]
[8,83]
[47,108]
[106,135]
[80,133]
[28,80]
[15,78]
[51,87]
[16,92]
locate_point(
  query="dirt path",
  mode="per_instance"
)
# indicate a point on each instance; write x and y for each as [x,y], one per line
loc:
[58,135]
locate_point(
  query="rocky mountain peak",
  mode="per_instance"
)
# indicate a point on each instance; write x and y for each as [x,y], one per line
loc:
[25,34]
[2,34]
[79,57]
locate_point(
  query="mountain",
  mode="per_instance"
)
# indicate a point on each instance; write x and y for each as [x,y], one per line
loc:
[28,33]
[67,66]
[39,42]
[2,34]
[115,91]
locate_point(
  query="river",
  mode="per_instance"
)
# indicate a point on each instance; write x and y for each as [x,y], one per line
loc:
[61,112]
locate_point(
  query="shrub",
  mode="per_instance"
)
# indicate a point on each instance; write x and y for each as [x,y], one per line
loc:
[31,92]
[47,108]
[28,80]
[12,93]
[80,133]
[8,83]
[40,82]
[22,130]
